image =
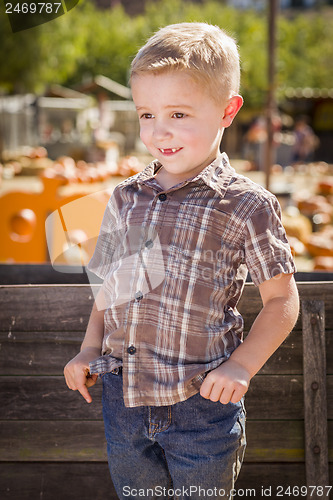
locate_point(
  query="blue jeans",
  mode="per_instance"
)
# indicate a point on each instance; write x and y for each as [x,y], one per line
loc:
[193,449]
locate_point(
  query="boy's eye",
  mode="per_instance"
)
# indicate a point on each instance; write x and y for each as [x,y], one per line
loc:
[178,115]
[147,116]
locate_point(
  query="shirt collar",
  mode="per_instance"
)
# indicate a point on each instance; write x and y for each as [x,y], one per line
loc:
[217,175]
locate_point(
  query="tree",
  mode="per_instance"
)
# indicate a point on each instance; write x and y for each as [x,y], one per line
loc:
[48,53]
[89,41]
[305,50]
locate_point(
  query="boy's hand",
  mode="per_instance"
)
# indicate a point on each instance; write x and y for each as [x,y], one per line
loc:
[77,373]
[227,383]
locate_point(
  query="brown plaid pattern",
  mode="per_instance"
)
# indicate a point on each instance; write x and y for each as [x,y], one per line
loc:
[174,264]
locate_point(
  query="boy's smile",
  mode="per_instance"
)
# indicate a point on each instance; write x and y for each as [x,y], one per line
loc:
[180,124]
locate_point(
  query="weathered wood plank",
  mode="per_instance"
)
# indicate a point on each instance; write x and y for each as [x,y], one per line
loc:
[67,307]
[39,274]
[46,353]
[41,327]
[45,398]
[21,274]
[79,481]
[315,403]
[37,353]
[45,307]
[275,481]
[57,481]
[81,441]
[42,398]
[25,441]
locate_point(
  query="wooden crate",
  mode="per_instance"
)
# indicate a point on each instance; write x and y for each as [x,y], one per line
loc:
[52,443]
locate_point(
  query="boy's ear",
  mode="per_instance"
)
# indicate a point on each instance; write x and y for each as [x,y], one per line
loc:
[234,105]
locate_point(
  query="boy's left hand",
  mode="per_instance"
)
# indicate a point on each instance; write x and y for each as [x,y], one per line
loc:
[227,383]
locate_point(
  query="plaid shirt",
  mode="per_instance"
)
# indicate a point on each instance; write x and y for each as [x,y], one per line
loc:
[174,264]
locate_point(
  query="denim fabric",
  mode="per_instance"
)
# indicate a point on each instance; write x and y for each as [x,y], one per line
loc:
[192,449]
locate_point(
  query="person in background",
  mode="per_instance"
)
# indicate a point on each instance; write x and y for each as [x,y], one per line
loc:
[306,141]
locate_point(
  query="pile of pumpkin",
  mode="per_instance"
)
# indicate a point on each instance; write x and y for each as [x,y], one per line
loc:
[35,162]
[83,172]
[309,225]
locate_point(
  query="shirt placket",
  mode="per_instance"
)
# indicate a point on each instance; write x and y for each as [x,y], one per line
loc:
[133,391]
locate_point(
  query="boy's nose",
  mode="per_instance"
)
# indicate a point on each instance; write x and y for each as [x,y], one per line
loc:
[161,131]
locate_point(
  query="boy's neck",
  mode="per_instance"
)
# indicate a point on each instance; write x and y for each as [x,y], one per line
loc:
[168,180]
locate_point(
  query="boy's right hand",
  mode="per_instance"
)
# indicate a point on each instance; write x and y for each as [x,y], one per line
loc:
[77,373]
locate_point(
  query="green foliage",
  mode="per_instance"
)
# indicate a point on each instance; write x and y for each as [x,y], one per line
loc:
[63,44]
[110,44]
[48,53]
[88,41]
[17,55]
[305,51]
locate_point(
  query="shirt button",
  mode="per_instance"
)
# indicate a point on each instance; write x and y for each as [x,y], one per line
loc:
[162,197]
[131,349]
[138,296]
[149,244]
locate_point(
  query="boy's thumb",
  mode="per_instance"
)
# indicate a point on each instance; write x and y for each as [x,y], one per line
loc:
[91,380]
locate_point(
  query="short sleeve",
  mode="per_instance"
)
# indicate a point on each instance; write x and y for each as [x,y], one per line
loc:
[267,251]
[107,242]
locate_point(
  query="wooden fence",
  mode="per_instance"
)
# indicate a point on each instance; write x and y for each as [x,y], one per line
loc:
[52,444]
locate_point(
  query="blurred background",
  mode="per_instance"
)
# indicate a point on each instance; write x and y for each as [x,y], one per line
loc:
[68,126]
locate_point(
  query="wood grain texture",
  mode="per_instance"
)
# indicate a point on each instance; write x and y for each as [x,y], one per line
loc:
[58,481]
[48,432]
[38,274]
[270,397]
[59,307]
[83,440]
[46,353]
[21,274]
[315,402]
[40,308]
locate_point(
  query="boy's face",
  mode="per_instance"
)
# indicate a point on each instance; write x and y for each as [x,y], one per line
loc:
[180,124]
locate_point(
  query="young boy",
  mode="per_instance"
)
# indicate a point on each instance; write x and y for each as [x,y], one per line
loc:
[175,245]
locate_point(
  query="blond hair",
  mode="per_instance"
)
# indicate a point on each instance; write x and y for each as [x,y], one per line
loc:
[205,51]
